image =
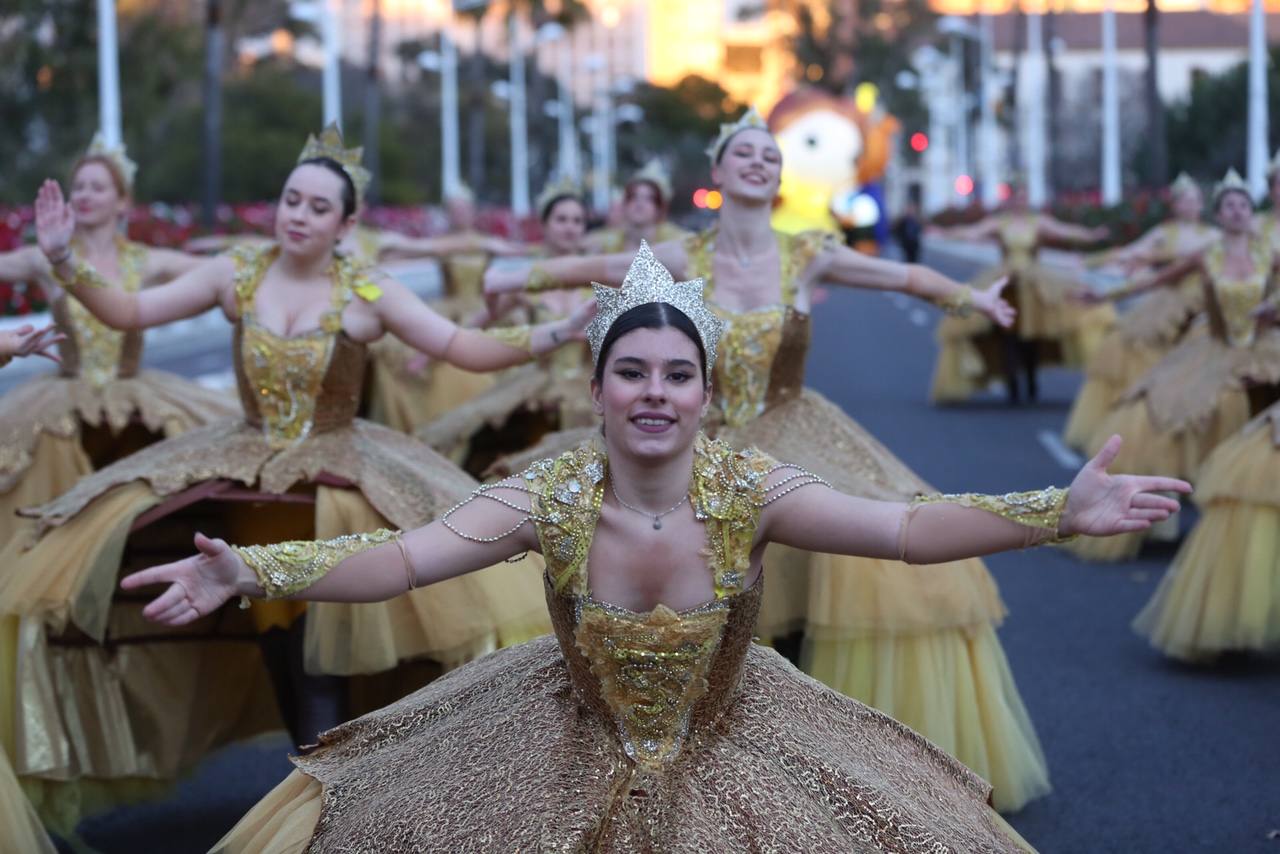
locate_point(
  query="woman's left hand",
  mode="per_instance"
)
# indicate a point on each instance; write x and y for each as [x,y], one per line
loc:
[27,340]
[1100,504]
[993,305]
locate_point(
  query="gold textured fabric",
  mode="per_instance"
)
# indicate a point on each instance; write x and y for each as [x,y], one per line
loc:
[519,337]
[1222,592]
[543,746]
[464,276]
[1040,509]
[291,567]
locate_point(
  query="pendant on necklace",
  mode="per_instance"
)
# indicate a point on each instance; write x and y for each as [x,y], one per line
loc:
[657,523]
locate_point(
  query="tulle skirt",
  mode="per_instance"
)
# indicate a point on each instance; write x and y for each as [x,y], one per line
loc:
[406,390]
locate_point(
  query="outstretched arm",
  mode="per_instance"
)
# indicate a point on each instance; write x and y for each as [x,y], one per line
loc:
[845,266]
[1056,229]
[418,325]
[392,245]
[164,265]
[1169,275]
[983,229]
[945,528]
[578,271]
[27,264]
[197,290]
[354,568]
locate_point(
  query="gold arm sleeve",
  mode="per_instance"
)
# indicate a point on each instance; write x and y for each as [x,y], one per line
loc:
[1039,512]
[287,568]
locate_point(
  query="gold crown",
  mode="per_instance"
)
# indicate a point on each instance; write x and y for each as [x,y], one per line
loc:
[649,281]
[329,144]
[558,189]
[116,154]
[750,119]
[1231,182]
[654,173]
[1184,183]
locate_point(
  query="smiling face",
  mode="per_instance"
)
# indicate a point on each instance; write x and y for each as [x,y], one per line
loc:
[750,167]
[651,393]
[642,205]
[310,219]
[96,196]
[564,225]
[1235,212]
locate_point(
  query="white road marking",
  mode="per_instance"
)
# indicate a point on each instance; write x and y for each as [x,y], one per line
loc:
[218,380]
[1061,454]
[919,317]
[901,300]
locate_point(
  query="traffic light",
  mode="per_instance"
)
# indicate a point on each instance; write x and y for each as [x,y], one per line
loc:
[919,142]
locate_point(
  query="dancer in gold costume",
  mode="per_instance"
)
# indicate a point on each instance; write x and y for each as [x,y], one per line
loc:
[1205,389]
[650,722]
[646,201]
[1146,331]
[102,698]
[99,406]
[1052,328]
[918,643]
[527,403]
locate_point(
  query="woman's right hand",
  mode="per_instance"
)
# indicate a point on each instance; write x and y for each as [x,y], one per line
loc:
[55,221]
[198,585]
[27,340]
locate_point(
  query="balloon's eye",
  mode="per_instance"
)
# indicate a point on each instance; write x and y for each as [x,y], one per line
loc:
[811,141]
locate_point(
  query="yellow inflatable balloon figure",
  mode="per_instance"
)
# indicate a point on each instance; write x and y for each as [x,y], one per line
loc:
[831,149]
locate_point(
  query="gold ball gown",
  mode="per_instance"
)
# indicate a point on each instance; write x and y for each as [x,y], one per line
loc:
[1222,593]
[1201,393]
[970,350]
[106,697]
[402,393]
[916,642]
[630,732]
[1141,337]
[98,407]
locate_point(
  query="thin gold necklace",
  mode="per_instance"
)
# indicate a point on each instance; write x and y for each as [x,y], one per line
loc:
[657,517]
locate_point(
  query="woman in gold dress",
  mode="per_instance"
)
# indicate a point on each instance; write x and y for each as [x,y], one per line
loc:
[99,406]
[918,643]
[544,396]
[650,722]
[1207,387]
[646,201]
[1052,328]
[104,699]
[1150,328]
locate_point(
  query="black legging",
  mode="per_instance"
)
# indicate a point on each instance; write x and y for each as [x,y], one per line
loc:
[1021,353]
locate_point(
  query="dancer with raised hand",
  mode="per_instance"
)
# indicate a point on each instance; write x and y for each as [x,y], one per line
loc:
[918,643]
[650,721]
[1208,386]
[100,405]
[1150,328]
[1052,328]
[646,202]
[298,459]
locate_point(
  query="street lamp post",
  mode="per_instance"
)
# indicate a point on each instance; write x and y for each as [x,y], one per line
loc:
[988,155]
[1111,183]
[108,74]
[1257,150]
[519,121]
[332,81]
[450,148]
[1034,115]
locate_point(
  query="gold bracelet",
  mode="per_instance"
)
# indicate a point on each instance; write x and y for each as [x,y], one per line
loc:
[519,337]
[286,568]
[541,280]
[959,302]
[408,564]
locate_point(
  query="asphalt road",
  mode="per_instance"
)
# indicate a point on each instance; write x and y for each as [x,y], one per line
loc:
[1145,755]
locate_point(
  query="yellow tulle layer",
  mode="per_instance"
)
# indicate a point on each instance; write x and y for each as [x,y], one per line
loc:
[952,686]
[20,826]
[1246,467]
[56,464]
[281,823]
[1173,452]
[405,395]
[1223,591]
[1117,364]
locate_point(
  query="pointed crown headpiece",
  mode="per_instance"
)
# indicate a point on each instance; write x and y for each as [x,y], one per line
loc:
[558,189]
[750,119]
[654,173]
[1184,183]
[329,144]
[649,281]
[1231,182]
[116,154]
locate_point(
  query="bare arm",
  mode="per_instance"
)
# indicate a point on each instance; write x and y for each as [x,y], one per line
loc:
[393,245]
[845,266]
[27,264]
[418,325]
[579,271]
[164,265]
[1056,229]
[359,568]
[983,229]
[818,518]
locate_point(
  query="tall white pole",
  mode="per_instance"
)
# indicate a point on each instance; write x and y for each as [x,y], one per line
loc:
[988,155]
[1257,141]
[519,123]
[937,191]
[569,167]
[450,148]
[1034,113]
[108,74]
[600,141]
[1111,183]
[330,31]
[960,116]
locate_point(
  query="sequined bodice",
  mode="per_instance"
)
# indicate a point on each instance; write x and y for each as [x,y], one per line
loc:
[762,351]
[92,350]
[1018,238]
[663,676]
[1233,299]
[294,386]
[464,275]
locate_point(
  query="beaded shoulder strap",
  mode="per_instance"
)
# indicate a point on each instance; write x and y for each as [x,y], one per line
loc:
[797,252]
[250,263]
[566,493]
[698,248]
